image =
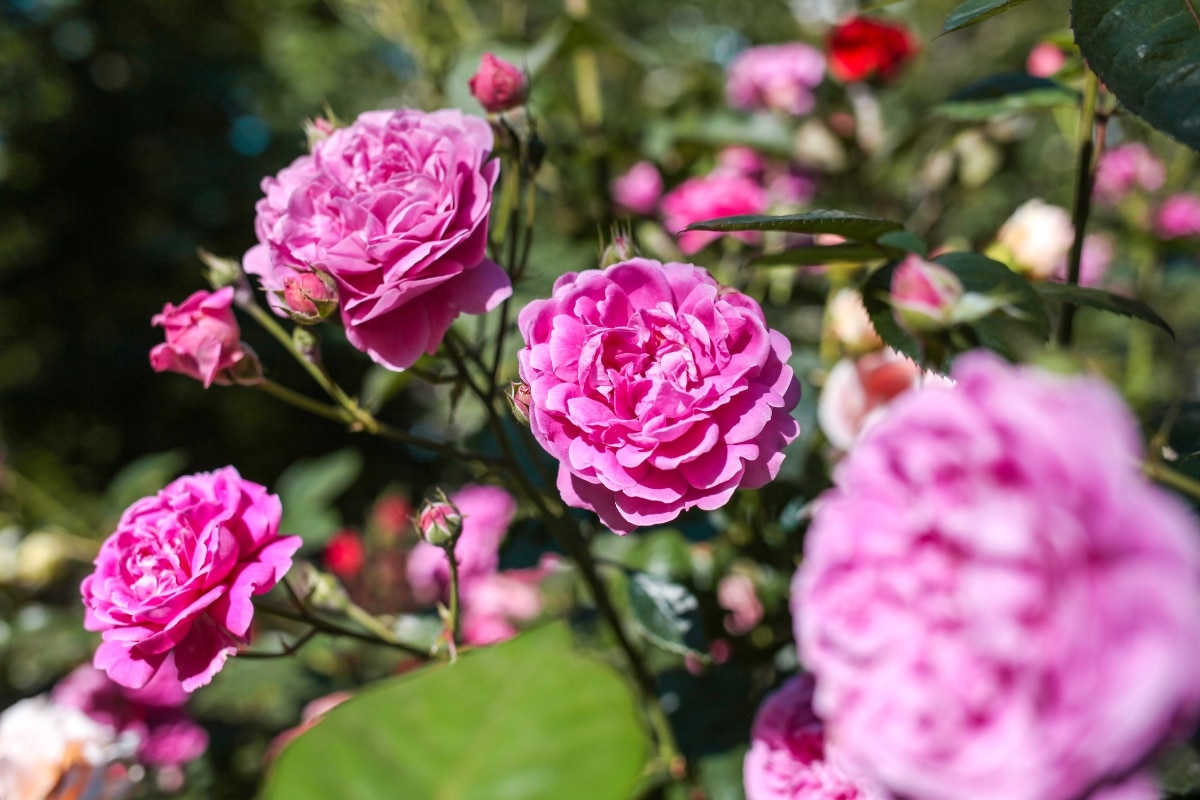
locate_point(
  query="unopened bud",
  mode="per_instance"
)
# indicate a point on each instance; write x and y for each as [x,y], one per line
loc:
[498,85]
[519,398]
[310,296]
[439,522]
[620,249]
[317,130]
[925,295]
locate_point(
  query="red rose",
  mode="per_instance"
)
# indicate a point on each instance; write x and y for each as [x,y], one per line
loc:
[861,48]
[345,554]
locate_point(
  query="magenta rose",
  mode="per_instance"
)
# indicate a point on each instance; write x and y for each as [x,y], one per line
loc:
[203,338]
[656,389]
[721,194]
[787,759]
[177,577]
[779,77]
[155,713]
[638,189]
[394,207]
[1178,216]
[486,513]
[994,602]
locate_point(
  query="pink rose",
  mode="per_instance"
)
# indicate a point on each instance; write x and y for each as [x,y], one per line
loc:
[1037,238]
[741,160]
[155,713]
[203,338]
[494,604]
[1179,216]
[994,602]
[719,195]
[498,85]
[638,189]
[1094,261]
[924,295]
[656,389]
[177,575]
[394,207]
[1123,168]
[1045,60]
[787,759]
[486,513]
[849,322]
[776,77]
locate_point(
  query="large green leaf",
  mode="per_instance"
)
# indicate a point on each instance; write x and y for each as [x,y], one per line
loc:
[858,227]
[974,11]
[1147,52]
[530,719]
[1104,301]
[1008,93]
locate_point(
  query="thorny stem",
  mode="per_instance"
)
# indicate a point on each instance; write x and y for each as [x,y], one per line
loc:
[1083,198]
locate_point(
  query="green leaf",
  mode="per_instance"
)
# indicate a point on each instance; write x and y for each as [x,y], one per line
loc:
[829,254]
[529,719]
[142,477]
[1001,331]
[1147,52]
[1006,94]
[974,11]
[308,488]
[1105,301]
[858,227]
[905,242]
[666,613]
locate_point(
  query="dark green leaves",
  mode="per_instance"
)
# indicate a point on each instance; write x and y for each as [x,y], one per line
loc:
[1006,94]
[843,223]
[974,11]
[530,719]
[1105,301]
[1147,52]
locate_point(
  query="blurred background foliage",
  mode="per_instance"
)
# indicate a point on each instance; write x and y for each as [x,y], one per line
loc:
[133,132]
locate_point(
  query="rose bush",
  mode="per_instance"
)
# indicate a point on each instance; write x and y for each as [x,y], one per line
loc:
[177,576]
[394,207]
[993,601]
[657,390]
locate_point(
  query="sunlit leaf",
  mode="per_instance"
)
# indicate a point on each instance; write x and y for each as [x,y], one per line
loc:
[667,613]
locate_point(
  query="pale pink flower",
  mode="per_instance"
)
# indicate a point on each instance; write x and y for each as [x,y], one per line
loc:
[495,604]
[486,513]
[993,600]
[395,207]
[656,389]
[1178,216]
[203,338]
[1125,168]
[638,189]
[1038,237]
[787,759]
[736,594]
[717,195]
[1045,60]
[850,324]
[775,77]
[178,574]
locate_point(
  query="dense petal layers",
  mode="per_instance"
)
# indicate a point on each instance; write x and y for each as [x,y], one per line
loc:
[657,390]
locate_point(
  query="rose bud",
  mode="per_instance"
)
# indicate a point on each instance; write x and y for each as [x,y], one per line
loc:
[620,249]
[924,295]
[439,522]
[519,398]
[310,296]
[498,85]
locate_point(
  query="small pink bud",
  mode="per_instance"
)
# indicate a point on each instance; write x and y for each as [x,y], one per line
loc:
[439,522]
[924,295]
[1045,59]
[310,296]
[620,249]
[498,85]
[519,398]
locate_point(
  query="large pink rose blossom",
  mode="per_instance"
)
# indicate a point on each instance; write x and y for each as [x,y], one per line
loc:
[486,513]
[203,338]
[155,713]
[787,759]
[656,389]
[394,207]
[721,194]
[178,574]
[994,602]
[778,77]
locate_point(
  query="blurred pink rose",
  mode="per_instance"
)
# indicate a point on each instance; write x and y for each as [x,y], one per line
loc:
[1123,168]
[924,294]
[493,604]
[394,207]
[155,714]
[741,160]
[736,594]
[787,759]
[1179,216]
[858,390]
[498,85]
[994,602]
[638,189]
[203,338]
[178,574]
[717,195]
[849,322]
[1094,261]
[1037,237]
[1045,59]
[776,77]
[656,389]
[486,512]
